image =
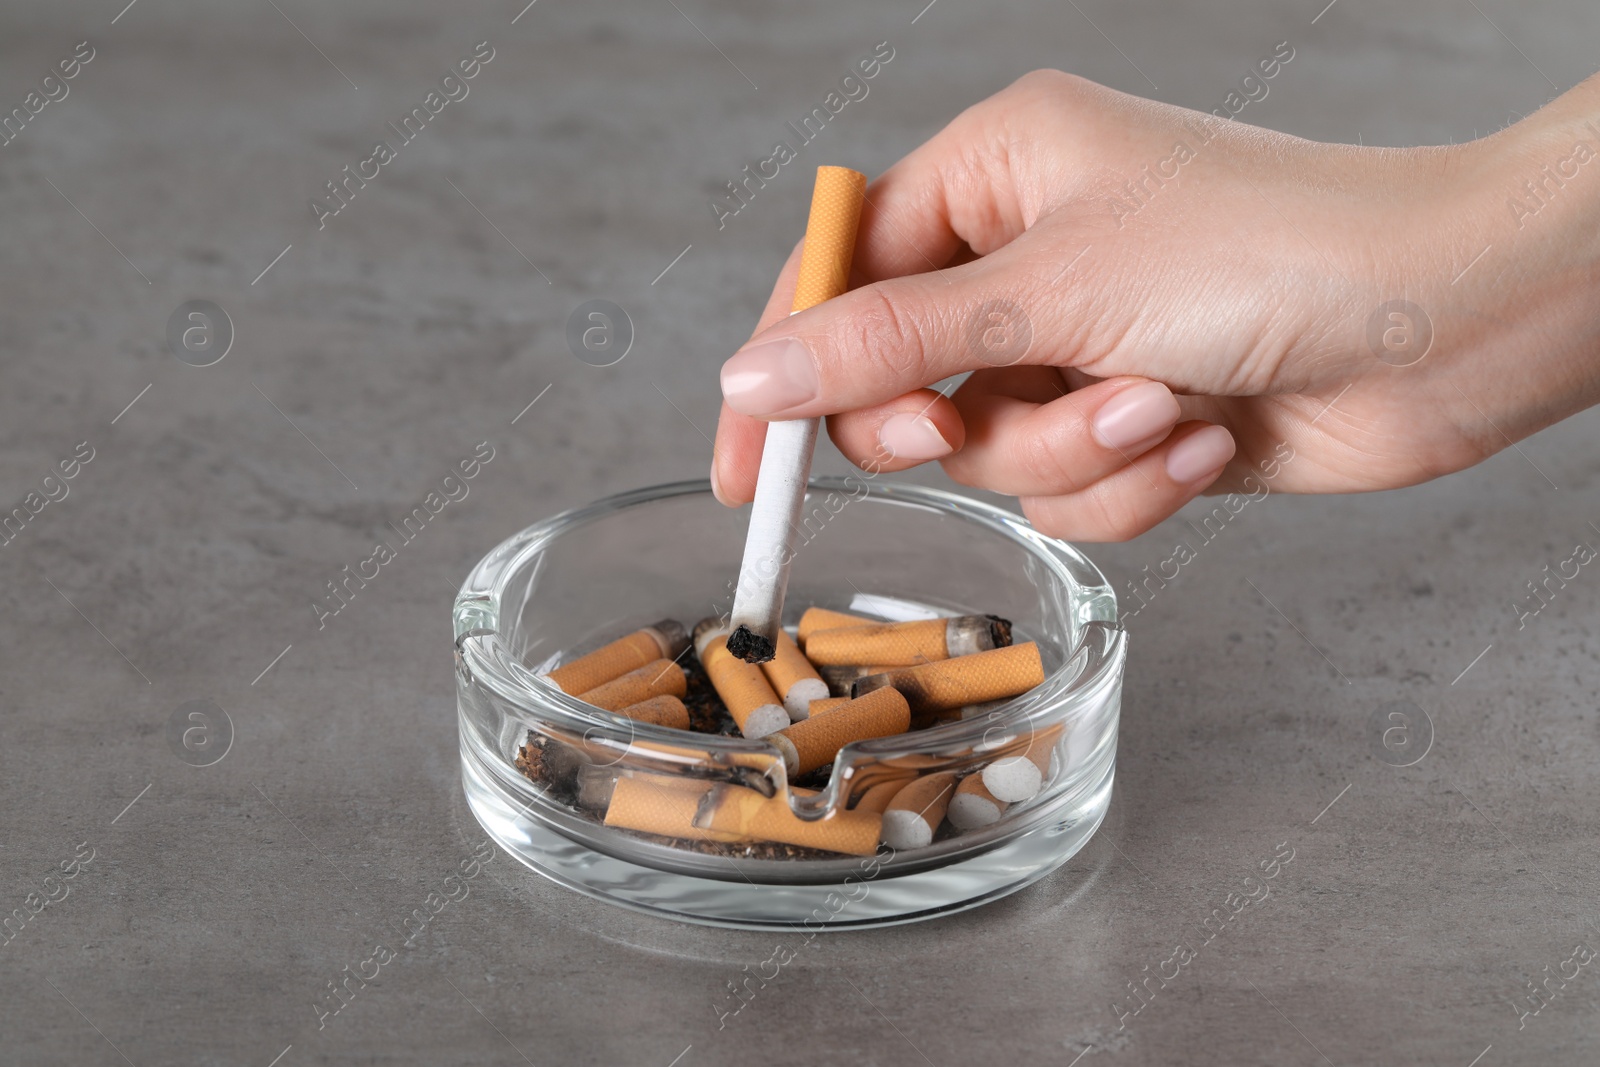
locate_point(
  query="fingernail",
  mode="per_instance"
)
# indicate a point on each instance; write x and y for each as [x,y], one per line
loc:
[716,485]
[913,437]
[1199,454]
[1136,414]
[769,378]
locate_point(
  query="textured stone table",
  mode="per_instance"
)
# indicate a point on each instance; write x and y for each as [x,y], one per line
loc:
[184,561]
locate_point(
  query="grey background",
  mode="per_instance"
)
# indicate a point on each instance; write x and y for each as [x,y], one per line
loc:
[189,551]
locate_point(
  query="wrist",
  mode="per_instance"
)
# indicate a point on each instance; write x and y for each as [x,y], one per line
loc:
[1546,171]
[1523,321]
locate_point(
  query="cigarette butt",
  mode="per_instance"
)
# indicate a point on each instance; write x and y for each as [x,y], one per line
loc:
[793,678]
[1018,777]
[816,619]
[596,786]
[877,797]
[827,704]
[661,677]
[742,686]
[969,711]
[663,710]
[917,810]
[953,683]
[558,763]
[973,806]
[905,644]
[744,813]
[663,640]
[841,679]
[661,804]
[810,744]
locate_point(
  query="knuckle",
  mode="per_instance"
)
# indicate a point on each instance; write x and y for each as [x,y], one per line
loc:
[1116,517]
[1046,91]
[1046,80]
[885,338]
[1045,459]
[1048,519]
[962,470]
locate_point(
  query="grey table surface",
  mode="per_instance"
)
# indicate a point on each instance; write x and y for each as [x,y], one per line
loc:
[373,353]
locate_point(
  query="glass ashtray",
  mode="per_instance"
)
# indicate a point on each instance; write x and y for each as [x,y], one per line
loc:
[574,582]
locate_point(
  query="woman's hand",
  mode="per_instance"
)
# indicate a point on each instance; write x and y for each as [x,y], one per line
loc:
[1154,302]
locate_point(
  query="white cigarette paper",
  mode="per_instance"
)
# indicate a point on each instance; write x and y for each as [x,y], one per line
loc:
[769,543]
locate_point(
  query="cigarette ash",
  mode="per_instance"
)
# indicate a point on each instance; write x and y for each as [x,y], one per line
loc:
[538,761]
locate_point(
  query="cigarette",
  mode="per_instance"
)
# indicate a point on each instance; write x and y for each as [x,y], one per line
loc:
[917,810]
[793,678]
[905,644]
[877,797]
[661,804]
[1017,778]
[973,806]
[663,710]
[825,261]
[744,813]
[932,688]
[826,704]
[975,711]
[840,680]
[663,677]
[663,640]
[742,686]
[596,786]
[813,743]
[816,619]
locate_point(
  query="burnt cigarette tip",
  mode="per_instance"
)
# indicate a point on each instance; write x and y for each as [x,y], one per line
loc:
[595,787]
[863,686]
[750,646]
[672,637]
[999,631]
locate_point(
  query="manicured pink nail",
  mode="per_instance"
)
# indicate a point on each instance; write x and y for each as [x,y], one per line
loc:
[1135,415]
[1201,453]
[913,437]
[769,378]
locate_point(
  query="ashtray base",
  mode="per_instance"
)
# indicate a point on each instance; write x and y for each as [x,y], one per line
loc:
[875,897]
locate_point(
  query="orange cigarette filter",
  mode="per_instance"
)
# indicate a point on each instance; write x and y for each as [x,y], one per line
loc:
[877,797]
[953,683]
[661,804]
[917,810]
[1019,775]
[665,639]
[664,710]
[905,644]
[841,679]
[745,813]
[973,806]
[743,687]
[661,677]
[793,678]
[827,704]
[830,244]
[807,745]
[816,619]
